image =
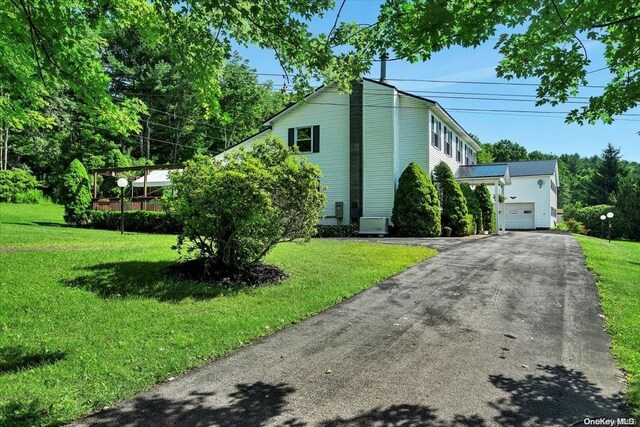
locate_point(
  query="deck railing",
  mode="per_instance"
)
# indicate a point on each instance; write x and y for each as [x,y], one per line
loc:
[130,204]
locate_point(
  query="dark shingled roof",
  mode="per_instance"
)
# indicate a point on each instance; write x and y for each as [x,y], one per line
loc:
[533,167]
[482,171]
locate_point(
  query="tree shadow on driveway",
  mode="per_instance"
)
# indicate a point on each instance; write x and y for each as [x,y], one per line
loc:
[557,396]
[250,405]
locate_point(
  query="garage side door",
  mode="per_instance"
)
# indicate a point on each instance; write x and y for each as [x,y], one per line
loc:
[520,216]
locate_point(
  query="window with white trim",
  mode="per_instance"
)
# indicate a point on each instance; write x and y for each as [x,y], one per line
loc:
[303,139]
[458,150]
[448,137]
[470,156]
[435,132]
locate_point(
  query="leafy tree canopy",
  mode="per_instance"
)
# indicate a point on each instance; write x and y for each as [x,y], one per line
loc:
[48,45]
[544,39]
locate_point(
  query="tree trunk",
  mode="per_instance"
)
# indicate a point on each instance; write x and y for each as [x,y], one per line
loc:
[142,141]
[5,150]
[2,151]
[148,126]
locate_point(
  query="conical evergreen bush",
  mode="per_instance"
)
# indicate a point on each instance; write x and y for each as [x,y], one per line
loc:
[416,208]
[454,206]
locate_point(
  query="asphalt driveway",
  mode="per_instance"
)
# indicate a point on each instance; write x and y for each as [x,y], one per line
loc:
[499,331]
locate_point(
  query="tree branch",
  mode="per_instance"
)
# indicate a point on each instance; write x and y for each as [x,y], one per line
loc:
[335,24]
[618,21]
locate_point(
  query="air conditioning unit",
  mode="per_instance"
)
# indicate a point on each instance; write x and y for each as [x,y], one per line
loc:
[374,225]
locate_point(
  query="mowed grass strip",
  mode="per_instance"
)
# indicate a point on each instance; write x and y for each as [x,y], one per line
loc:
[92,320]
[617,266]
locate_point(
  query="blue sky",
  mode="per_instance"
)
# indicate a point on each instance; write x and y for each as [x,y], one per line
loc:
[544,132]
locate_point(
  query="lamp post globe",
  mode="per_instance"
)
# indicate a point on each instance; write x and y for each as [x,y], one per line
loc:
[609,216]
[603,217]
[122,183]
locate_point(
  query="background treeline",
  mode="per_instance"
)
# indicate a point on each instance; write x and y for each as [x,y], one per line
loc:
[174,123]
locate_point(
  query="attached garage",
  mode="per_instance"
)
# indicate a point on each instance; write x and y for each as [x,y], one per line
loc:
[520,216]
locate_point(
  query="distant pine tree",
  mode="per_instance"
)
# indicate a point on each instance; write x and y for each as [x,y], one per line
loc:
[606,179]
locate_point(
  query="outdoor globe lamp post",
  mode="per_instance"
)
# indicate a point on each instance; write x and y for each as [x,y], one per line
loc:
[602,218]
[122,183]
[609,215]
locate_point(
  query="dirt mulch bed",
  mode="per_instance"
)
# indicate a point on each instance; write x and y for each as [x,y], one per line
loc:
[258,274]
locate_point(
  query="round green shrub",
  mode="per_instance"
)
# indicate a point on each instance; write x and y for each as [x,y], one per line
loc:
[234,212]
[454,205]
[19,186]
[416,208]
[75,193]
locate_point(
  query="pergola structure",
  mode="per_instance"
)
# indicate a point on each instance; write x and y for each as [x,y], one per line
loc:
[496,174]
[144,177]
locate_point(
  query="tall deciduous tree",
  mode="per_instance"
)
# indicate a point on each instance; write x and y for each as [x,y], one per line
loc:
[508,151]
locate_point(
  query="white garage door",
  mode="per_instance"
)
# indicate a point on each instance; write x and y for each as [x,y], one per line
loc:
[520,216]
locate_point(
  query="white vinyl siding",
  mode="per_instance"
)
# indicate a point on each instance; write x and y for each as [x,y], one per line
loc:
[526,190]
[378,149]
[414,133]
[330,110]
[436,156]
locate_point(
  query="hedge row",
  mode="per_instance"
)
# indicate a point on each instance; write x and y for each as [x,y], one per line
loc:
[135,221]
[343,230]
[161,222]
[590,219]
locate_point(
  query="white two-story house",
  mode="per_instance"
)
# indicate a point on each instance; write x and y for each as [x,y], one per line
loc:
[364,140]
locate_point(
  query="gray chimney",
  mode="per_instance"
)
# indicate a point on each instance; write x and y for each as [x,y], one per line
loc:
[383,67]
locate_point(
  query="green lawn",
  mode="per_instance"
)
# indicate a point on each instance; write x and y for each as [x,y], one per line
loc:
[617,265]
[88,319]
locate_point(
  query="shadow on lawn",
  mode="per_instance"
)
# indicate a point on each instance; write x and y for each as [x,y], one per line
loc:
[17,358]
[144,279]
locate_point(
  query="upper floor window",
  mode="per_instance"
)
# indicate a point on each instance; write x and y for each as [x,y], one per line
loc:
[303,139]
[435,132]
[306,138]
[448,137]
[458,150]
[553,187]
[470,156]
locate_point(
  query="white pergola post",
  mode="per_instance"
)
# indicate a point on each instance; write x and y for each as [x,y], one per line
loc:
[497,205]
[504,212]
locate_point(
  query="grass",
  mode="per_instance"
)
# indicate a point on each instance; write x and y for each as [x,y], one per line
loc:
[617,266]
[88,318]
